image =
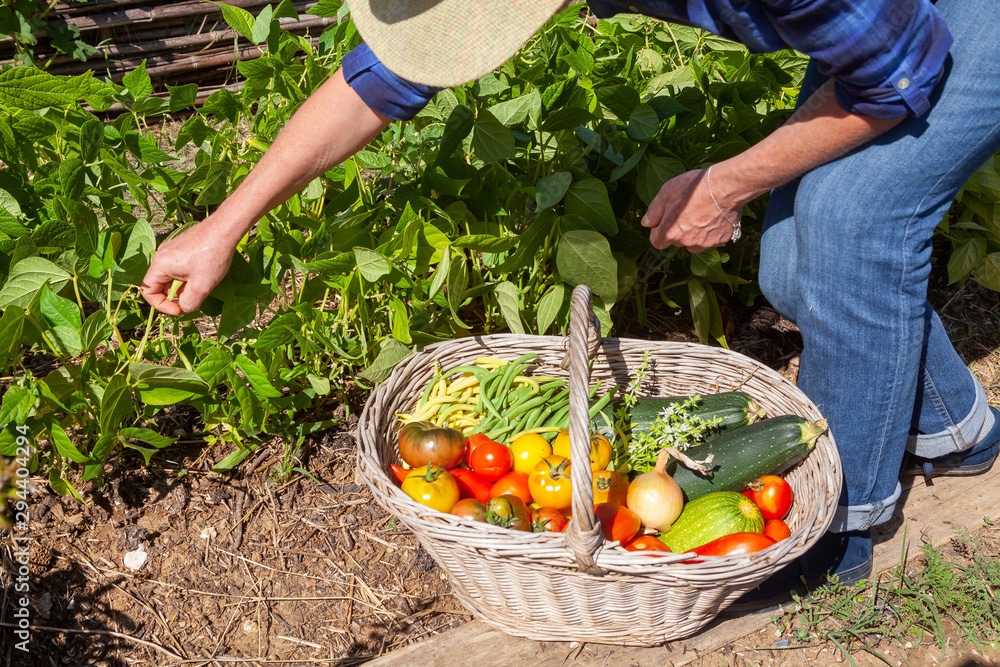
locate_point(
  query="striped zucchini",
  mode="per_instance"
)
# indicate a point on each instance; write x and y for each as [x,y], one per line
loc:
[743,454]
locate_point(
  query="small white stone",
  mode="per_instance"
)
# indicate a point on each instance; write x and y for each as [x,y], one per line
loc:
[209,533]
[134,560]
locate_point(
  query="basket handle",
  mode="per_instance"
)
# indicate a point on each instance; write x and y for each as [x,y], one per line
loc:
[583,535]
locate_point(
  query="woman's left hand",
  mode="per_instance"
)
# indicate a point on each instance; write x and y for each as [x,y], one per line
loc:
[683,214]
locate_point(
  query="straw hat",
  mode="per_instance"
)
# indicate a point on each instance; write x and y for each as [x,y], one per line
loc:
[448,42]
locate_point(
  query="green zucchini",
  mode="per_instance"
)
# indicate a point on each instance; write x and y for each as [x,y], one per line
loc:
[710,517]
[732,408]
[743,454]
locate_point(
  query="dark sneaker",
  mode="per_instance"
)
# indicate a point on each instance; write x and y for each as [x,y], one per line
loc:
[848,555]
[974,461]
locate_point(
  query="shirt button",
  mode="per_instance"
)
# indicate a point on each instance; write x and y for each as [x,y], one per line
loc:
[904,83]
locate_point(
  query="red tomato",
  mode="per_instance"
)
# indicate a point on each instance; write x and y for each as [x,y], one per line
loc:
[471,485]
[550,483]
[618,523]
[734,543]
[515,483]
[772,494]
[646,543]
[470,508]
[548,519]
[471,442]
[491,460]
[508,512]
[610,487]
[777,529]
[422,443]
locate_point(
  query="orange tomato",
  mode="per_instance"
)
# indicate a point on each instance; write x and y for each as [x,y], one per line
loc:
[610,487]
[618,523]
[550,483]
[600,449]
[777,529]
[514,483]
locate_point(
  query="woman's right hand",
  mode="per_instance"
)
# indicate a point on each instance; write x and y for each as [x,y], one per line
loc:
[199,258]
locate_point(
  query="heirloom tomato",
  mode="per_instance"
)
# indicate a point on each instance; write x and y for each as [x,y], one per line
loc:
[422,443]
[548,519]
[470,508]
[508,512]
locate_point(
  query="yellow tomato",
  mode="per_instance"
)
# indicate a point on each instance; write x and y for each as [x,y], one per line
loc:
[600,449]
[528,449]
[433,486]
[550,483]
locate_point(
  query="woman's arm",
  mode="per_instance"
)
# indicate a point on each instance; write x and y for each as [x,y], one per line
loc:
[683,213]
[330,126]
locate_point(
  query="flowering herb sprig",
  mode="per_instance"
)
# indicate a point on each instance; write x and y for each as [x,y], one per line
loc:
[677,428]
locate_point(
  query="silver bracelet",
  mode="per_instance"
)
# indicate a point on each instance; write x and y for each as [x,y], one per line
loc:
[737,228]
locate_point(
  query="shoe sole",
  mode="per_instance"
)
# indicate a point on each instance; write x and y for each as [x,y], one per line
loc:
[950,471]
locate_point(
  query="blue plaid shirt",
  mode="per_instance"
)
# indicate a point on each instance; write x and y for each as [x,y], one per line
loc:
[885,56]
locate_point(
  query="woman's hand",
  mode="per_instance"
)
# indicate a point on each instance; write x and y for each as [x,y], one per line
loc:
[683,213]
[199,258]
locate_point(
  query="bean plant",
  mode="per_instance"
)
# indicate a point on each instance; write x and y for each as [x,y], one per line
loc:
[476,217]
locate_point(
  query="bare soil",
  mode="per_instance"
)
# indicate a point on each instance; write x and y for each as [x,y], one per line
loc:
[245,569]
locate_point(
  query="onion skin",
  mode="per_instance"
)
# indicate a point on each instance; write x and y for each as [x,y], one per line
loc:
[656,497]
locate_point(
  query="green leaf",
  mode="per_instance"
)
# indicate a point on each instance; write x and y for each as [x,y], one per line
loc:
[371,264]
[116,404]
[237,312]
[708,265]
[232,460]
[566,118]
[584,258]
[965,258]
[628,165]
[622,100]
[320,385]
[182,97]
[96,330]
[256,377]
[391,352]
[456,129]
[549,306]
[149,436]
[550,190]
[485,242]
[510,305]
[32,89]
[440,275]
[91,139]
[138,83]
[71,177]
[458,283]
[589,200]
[988,273]
[491,140]
[63,320]
[11,326]
[400,318]
[165,385]
[212,368]
[65,446]
[262,25]
[643,123]
[372,160]
[10,214]
[138,252]
[325,8]
[27,277]
[653,173]
[238,19]
[519,109]
[18,404]
[705,312]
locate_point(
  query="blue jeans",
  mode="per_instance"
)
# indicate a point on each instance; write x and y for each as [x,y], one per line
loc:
[846,255]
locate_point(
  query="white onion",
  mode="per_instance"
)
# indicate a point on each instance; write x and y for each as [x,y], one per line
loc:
[655,496]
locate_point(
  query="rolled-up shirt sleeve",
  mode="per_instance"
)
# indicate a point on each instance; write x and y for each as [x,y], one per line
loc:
[381,89]
[885,56]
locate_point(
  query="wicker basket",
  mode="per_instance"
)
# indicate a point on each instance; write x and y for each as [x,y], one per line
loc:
[574,585]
